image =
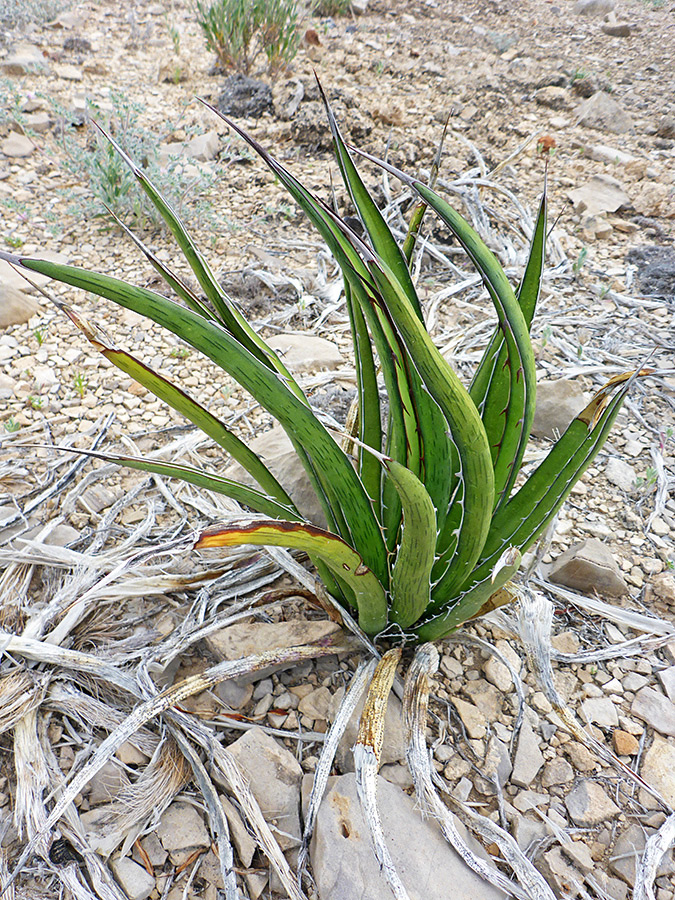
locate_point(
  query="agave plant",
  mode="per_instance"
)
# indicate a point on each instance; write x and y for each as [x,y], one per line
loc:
[426,525]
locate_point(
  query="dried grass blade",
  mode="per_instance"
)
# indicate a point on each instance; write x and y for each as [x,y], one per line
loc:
[20,692]
[534,620]
[415,706]
[655,848]
[217,815]
[344,713]
[367,752]
[249,805]
[160,704]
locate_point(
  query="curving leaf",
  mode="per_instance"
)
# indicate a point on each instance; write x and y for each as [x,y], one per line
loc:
[332,551]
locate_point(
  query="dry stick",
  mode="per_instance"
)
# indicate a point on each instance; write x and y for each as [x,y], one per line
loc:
[367,753]
[415,708]
[655,848]
[168,698]
[535,619]
[637,621]
[60,482]
[216,813]
[345,711]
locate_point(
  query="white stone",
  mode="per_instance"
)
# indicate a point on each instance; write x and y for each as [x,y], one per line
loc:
[136,883]
[658,768]
[558,402]
[656,709]
[182,827]
[302,352]
[274,776]
[17,145]
[344,864]
[528,759]
[602,194]
[589,805]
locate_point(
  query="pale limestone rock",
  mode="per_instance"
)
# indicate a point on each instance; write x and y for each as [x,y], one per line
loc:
[558,402]
[136,883]
[588,567]
[274,777]
[302,352]
[16,307]
[345,867]
[589,805]
[603,112]
[182,827]
[276,451]
[594,7]
[656,709]
[658,768]
[528,759]
[602,194]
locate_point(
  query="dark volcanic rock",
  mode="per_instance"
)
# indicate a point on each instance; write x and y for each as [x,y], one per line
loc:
[245,97]
[656,270]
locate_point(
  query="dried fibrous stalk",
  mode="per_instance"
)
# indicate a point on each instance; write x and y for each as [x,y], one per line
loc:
[367,753]
[415,705]
[20,692]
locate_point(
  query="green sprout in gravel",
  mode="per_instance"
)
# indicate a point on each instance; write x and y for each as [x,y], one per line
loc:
[428,513]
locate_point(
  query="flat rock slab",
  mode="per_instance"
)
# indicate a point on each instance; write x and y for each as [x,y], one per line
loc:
[246,639]
[603,112]
[588,567]
[136,883]
[558,402]
[658,768]
[602,194]
[344,864]
[589,805]
[274,776]
[15,306]
[306,352]
[277,452]
[656,709]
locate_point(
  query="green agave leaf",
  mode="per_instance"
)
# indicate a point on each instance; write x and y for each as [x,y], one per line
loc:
[200,478]
[370,427]
[411,574]
[508,445]
[525,516]
[470,602]
[383,241]
[466,429]
[341,559]
[338,478]
[491,387]
[227,312]
[183,403]
[182,290]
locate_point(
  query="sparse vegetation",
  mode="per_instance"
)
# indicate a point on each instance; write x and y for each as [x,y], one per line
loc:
[240,31]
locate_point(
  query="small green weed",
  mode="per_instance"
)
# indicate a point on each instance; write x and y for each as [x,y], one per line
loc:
[36,402]
[179,353]
[578,263]
[331,7]
[39,334]
[80,384]
[112,183]
[239,31]
[11,425]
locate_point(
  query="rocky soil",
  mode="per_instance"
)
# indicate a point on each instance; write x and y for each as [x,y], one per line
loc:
[591,79]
